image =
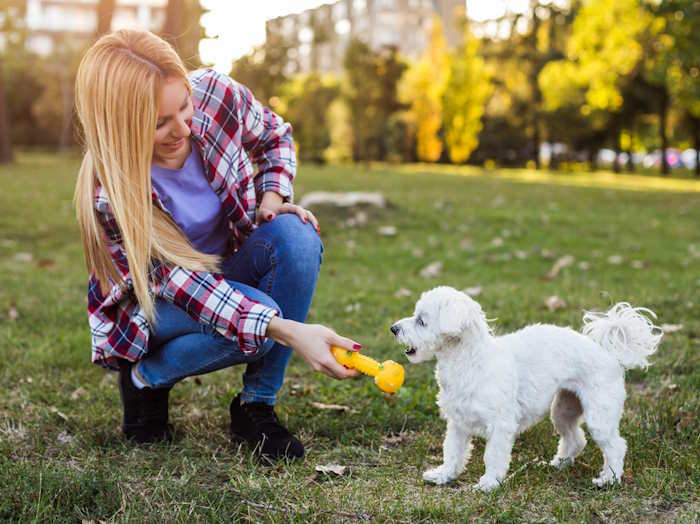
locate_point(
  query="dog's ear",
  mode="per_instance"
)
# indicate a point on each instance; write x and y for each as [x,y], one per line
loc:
[457,314]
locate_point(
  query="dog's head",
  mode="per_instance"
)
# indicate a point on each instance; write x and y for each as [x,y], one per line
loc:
[443,317]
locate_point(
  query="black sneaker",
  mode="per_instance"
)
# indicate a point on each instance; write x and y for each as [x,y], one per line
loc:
[145,410]
[257,424]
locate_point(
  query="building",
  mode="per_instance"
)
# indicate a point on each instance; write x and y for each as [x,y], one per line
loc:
[318,37]
[50,23]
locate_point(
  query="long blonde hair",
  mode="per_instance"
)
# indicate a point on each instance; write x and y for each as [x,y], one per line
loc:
[116,97]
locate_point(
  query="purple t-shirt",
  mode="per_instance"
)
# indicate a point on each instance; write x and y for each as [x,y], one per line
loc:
[186,193]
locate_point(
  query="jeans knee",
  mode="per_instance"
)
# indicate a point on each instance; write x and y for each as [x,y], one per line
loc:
[297,244]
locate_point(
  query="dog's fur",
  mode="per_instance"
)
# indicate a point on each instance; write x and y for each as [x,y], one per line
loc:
[497,386]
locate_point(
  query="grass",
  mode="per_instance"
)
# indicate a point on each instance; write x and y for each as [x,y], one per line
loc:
[62,457]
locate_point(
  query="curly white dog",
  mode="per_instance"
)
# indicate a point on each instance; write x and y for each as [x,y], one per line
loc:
[497,386]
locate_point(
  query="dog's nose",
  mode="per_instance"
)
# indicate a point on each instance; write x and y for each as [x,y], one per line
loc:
[395,329]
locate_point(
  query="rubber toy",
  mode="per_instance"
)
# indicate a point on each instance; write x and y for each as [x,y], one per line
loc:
[388,375]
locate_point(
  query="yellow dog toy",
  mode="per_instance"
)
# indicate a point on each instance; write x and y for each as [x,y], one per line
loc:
[388,375]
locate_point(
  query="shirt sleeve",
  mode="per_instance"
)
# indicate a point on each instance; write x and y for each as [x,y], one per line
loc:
[208,298]
[268,140]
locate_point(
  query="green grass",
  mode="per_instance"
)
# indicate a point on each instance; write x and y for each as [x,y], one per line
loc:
[62,457]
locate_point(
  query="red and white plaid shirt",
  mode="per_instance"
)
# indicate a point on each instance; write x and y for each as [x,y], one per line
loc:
[232,131]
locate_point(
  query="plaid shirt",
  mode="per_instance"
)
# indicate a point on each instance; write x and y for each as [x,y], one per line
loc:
[232,131]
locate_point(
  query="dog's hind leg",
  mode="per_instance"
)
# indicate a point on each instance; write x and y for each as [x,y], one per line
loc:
[496,458]
[602,411]
[567,416]
[456,450]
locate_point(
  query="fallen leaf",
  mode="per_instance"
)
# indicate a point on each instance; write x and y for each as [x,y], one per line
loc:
[498,201]
[473,291]
[65,438]
[431,270]
[584,266]
[45,263]
[23,257]
[638,264]
[520,254]
[671,328]
[615,260]
[81,391]
[332,407]
[12,313]
[554,303]
[195,412]
[561,263]
[331,468]
[387,231]
[402,292]
[55,410]
[546,253]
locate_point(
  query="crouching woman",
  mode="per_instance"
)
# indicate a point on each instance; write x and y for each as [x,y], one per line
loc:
[197,262]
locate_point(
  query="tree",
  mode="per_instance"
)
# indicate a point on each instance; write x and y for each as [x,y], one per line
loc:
[682,61]
[13,35]
[263,70]
[183,30]
[6,155]
[369,90]
[305,103]
[467,89]
[105,12]
[422,88]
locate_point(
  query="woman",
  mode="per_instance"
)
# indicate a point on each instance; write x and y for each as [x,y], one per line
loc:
[196,263]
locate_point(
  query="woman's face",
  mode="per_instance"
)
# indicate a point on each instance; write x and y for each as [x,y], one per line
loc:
[171,141]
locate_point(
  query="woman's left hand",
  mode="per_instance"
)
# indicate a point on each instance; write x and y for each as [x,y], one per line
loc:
[270,207]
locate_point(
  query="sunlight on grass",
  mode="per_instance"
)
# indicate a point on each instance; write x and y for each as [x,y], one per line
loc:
[600,179]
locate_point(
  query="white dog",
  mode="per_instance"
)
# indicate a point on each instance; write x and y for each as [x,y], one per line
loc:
[496,387]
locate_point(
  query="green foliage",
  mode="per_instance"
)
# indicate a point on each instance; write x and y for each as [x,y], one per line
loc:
[468,87]
[263,70]
[306,101]
[369,90]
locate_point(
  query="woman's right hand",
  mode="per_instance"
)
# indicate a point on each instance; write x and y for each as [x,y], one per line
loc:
[313,342]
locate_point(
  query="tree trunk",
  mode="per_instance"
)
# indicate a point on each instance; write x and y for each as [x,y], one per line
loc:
[67,99]
[616,162]
[663,113]
[173,26]
[593,158]
[105,12]
[6,155]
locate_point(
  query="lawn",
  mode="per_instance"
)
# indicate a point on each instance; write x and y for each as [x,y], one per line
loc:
[62,457]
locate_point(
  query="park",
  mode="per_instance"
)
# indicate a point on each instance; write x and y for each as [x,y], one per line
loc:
[565,182]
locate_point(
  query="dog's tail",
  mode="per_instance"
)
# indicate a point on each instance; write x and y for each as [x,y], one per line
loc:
[626,332]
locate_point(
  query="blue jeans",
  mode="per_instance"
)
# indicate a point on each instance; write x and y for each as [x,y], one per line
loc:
[277,266]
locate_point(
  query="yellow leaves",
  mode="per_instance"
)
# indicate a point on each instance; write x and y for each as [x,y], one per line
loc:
[422,87]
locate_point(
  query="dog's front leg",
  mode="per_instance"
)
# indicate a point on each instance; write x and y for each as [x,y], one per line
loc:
[496,459]
[455,452]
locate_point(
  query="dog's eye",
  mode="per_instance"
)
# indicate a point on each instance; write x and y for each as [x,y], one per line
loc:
[420,321]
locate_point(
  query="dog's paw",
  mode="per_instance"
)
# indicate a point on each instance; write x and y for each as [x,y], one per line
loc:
[561,463]
[487,484]
[438,476]
[605,479]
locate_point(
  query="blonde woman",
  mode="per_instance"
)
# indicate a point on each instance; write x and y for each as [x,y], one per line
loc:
[196,261]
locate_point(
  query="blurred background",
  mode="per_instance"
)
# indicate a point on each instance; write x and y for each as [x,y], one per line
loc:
[558,84]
